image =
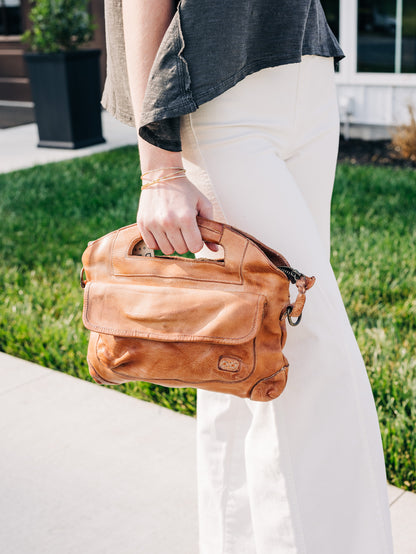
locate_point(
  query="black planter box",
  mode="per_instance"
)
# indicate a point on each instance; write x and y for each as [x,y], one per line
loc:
[65,89]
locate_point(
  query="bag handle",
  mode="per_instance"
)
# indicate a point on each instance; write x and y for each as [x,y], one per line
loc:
[303,283]
[229,270]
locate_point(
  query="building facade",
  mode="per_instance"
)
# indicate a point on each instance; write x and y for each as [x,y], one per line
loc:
[376,81]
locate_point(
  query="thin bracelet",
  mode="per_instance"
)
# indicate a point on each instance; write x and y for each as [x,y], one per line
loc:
[158,168]
[165,177]
[179,172]
[160,180]
[156,182]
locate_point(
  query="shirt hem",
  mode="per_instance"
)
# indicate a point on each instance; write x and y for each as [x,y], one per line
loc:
[262,63]
[123,117]
[192,102]
[155,140]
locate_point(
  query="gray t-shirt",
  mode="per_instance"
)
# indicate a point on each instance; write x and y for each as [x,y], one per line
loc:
[210,45]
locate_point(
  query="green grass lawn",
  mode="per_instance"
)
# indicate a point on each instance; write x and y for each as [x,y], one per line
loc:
[50,212]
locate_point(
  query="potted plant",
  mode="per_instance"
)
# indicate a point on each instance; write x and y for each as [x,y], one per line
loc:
[64,79]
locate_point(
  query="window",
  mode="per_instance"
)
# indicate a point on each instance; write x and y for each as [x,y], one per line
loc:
[408,41]
[10,17]
[386,38]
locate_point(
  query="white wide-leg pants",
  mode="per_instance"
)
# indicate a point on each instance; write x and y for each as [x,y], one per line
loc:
[304,473]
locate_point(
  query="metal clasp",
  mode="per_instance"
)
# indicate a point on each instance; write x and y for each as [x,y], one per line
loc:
[290,320]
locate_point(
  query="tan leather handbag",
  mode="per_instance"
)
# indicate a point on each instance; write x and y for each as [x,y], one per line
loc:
[218,325]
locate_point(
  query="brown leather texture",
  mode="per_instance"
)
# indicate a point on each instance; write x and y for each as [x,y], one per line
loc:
[215,324]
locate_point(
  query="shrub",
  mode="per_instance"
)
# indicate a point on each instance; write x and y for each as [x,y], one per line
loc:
[404,138]
[59,25]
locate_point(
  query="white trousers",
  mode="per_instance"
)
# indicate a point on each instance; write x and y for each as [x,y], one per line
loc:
[304,473]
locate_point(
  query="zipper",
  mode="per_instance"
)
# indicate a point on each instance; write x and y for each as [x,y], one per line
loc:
[291,273]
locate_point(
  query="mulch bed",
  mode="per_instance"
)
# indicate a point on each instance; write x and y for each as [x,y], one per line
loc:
[371,152]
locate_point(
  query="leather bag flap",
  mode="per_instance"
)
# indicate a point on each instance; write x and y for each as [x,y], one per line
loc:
[172,313]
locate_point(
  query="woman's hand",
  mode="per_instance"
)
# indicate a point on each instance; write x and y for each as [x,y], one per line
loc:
[167,216]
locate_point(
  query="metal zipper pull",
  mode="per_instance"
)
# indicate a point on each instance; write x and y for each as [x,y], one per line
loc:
[292,274]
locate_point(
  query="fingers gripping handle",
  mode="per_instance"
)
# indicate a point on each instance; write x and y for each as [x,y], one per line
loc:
[123,262]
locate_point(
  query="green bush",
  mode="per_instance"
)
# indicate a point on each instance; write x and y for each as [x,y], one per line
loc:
[59,25]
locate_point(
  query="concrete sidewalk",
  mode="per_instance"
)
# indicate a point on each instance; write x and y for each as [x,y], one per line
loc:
[88,469]
[18,148]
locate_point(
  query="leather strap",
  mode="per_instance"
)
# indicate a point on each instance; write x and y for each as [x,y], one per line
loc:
[295,310]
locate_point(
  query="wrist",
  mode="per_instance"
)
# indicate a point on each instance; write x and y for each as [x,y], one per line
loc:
[153,157]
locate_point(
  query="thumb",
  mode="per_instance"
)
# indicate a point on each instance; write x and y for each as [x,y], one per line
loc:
[205,209]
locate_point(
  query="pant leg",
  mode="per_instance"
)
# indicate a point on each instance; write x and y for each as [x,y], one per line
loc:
[307,469]
[223,507]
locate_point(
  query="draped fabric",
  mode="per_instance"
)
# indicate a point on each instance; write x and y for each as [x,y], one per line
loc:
[208,47]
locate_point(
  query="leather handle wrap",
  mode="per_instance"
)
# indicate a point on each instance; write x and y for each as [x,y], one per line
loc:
[303,284]
[211,231]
